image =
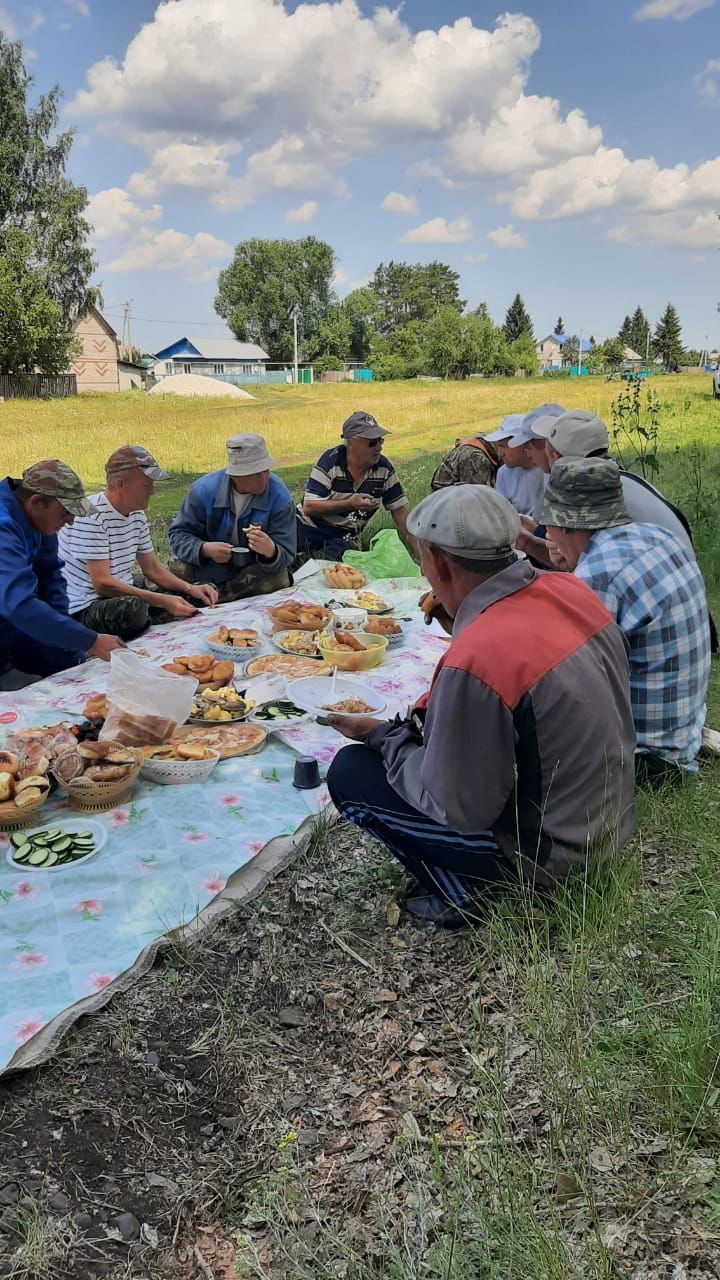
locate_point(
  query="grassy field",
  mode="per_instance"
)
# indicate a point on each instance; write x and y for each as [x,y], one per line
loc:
[187,435]
[536,1100]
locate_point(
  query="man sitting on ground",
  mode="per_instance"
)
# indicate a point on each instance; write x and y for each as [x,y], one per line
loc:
[346,487]
[236,527]
[101,550]
[37,638]
[472,460]
[655,591]
[519,754]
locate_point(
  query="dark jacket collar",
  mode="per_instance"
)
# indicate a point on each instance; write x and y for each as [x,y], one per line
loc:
[506,583]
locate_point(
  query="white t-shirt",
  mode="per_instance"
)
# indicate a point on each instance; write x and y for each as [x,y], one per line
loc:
[106,535]
[524,489]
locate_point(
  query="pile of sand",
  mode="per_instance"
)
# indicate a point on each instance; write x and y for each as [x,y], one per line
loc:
[194,384]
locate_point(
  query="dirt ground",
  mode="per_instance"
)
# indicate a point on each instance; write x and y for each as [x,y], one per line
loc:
[311,1013]
[276,1067]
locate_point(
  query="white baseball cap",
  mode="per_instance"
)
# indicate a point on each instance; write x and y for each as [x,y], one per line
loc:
[509,426]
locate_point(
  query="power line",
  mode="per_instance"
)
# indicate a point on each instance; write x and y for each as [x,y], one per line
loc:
[211,324]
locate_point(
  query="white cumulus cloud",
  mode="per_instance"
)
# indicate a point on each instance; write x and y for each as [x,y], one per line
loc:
[507,238]
[396,202]
[708,81]
[303,212]
[677,9]
[171,250]
[112,213]
[439,231]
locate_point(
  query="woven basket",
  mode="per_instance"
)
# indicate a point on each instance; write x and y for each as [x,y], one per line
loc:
[14,818]
[96,797]
[174,773]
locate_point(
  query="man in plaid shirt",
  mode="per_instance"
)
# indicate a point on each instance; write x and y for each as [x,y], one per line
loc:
[654,589]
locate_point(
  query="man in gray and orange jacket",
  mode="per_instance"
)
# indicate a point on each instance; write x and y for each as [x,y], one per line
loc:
[521,754]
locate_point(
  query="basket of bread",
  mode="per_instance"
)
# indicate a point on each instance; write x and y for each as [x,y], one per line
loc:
[97,775]
[175,763]
[343,578]
[350,652]
[295,615]
[234,643]
[24,788]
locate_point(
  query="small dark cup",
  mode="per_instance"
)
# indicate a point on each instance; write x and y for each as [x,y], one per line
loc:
[306,775]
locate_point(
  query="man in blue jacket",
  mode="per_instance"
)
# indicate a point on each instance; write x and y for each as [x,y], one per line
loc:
[37,637]
[236,527]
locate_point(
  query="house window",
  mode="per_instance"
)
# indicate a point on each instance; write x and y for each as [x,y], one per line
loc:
[168,366]
[187,368]
[218,368]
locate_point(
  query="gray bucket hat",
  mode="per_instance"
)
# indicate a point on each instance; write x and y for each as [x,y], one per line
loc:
[247,454]
[584,493]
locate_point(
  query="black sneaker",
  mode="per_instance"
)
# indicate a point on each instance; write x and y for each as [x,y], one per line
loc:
[438,911]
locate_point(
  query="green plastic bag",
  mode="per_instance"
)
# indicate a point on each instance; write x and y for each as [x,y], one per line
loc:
[387,558]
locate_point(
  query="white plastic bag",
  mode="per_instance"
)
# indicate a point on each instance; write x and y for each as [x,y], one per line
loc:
[145,703]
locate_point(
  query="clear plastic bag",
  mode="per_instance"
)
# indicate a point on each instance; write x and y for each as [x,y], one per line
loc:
[145,703]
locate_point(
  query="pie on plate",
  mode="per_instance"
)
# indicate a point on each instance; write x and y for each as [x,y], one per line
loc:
[288,666]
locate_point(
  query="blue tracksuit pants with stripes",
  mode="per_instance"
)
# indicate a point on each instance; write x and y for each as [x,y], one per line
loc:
[449,863]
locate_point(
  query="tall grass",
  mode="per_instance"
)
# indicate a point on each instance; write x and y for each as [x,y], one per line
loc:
[188,435]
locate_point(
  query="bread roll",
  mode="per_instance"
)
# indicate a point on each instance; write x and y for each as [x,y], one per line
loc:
[36,782]
[9,762]
[7,785]
[31,796]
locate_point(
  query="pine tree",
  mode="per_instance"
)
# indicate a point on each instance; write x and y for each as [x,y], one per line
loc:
[639,332]
[625,333]
[517,321]
[558,330]
[667,341]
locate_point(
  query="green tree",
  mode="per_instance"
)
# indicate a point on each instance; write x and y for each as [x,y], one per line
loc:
[405,292]
[558,330]
[45,264]
[613,352]
[517,321]
[479,341]
[639,332]
[667,340]
[524,354]
[333,334]
[571,349]
[444,342]
[262,284]
[625,332]
[361,308]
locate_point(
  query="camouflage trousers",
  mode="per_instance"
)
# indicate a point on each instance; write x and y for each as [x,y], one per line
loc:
[123,616]
[251,581]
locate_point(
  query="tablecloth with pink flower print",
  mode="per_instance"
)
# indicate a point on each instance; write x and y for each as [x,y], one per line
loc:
[67,935]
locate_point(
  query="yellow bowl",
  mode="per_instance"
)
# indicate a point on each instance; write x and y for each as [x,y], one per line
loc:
[352,659]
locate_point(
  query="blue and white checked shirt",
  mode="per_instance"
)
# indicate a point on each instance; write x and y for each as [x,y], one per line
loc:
[655,592]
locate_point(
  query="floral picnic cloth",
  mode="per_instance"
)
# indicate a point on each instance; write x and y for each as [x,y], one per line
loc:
[69,933]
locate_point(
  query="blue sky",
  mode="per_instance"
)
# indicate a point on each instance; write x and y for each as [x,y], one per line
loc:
[571,153]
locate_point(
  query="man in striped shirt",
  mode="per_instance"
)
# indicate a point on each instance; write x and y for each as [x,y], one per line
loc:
[346,487]
[100,553]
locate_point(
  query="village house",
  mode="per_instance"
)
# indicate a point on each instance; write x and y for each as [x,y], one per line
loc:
[99,366]
[212,357]
[549,350]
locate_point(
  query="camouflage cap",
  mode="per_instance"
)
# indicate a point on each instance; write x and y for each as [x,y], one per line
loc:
[129,456]
[55,479]
[584,493]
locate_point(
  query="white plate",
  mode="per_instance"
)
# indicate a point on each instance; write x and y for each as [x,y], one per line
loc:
[69,827]
[278,639]
[275,726]
[313,692]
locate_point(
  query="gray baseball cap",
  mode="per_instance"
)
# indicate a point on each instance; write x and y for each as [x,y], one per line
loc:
[361,424]
[584,493]
[470,520]
[247,455]
[129,456]
[575,434]
[509,426]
